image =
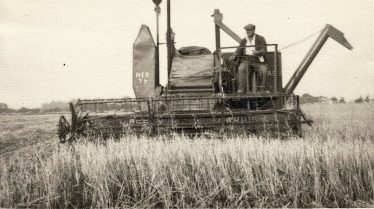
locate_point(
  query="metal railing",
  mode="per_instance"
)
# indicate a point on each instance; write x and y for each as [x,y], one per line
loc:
[275,61]
[169,103]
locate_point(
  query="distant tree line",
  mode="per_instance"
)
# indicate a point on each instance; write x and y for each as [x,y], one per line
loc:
[362,100]
[336,100]
[52,107]
[307,98]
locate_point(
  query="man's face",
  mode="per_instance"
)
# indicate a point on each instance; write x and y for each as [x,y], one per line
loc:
[250,32]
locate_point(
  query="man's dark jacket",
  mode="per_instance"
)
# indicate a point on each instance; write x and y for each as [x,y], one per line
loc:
[260,45]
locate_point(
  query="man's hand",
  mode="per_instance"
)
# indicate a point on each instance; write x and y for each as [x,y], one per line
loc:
[232,58]
[256,52]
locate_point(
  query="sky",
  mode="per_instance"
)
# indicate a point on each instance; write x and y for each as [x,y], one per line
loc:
[63,50]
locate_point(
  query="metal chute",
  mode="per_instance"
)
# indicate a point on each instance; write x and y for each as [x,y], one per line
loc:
[328,31]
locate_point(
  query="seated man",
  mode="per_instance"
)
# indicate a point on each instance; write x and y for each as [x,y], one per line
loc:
[251,58]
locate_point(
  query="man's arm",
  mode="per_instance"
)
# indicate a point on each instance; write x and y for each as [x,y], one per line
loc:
[261,49]
[239,50]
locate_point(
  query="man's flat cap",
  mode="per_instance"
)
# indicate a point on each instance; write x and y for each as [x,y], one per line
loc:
[249,27]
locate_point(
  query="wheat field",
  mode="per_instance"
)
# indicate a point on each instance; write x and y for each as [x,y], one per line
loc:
[331,166]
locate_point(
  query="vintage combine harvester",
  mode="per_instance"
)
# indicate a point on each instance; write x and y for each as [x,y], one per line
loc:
[200,94]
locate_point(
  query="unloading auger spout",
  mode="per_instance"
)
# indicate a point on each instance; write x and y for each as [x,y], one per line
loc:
[328,31]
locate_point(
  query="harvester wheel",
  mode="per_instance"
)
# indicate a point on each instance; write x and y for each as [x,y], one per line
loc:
[64,130]
[296,125]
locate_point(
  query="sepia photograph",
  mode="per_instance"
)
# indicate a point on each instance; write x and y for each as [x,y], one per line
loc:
[186,104]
